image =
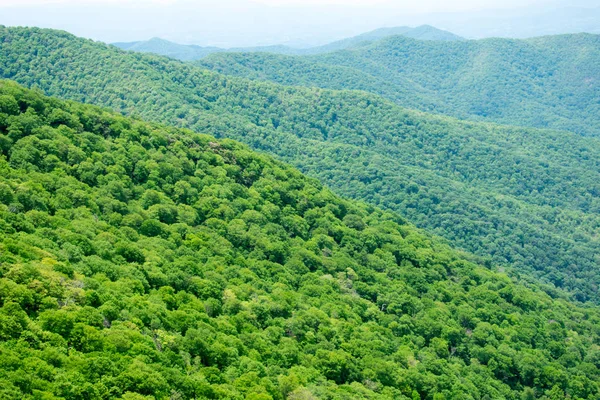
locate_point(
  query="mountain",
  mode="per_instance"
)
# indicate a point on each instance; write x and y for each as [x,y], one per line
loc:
[529,199]
[142,261]
[546,82]
[193,52]
[423,32]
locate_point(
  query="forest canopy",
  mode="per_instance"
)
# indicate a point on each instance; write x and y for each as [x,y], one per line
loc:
[142,261]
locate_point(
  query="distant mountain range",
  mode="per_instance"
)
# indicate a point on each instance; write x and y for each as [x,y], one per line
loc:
[193,52]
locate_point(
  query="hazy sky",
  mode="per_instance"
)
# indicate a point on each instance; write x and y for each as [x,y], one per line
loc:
[231,23]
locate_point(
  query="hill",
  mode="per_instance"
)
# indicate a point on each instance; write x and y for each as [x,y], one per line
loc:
[547,82]
[194,52]
[141,261]
[527,198]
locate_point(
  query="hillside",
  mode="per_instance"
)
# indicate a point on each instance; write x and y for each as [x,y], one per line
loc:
[193,52]
[527,198]
[305,71]
[142,260]
[547,82]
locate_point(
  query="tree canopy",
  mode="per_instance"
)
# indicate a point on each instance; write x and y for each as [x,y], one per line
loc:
[141,261]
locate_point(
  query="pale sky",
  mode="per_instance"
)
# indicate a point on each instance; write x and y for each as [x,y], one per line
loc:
[230,23]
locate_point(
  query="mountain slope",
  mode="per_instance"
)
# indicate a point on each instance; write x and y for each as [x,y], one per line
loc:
[193,52]
[526,198]
[305,71]
[547,82]
[141,260]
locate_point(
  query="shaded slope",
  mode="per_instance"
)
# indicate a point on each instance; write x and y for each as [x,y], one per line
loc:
[548,82]
[305,71]
[525,197]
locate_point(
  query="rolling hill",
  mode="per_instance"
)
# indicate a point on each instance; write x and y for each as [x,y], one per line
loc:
[528,199]
[546,82]
[139,261]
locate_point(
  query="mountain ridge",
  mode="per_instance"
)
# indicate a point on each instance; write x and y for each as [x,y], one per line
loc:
[194,52]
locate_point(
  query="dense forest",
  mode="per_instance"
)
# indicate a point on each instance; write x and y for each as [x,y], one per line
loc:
[526,198]
[139,261]
[194,52]
[546,82]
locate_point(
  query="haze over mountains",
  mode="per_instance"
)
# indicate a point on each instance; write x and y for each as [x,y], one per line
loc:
[193,52]
[295,23]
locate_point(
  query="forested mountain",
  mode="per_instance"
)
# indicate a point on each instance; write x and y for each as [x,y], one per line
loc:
[546,82]
[139,261]
[193,52]
[528,198]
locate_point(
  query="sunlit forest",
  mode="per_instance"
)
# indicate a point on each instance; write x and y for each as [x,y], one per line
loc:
[407,213]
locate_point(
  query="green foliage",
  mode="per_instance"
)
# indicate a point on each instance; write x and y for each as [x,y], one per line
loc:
[525,198]
[276,289]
